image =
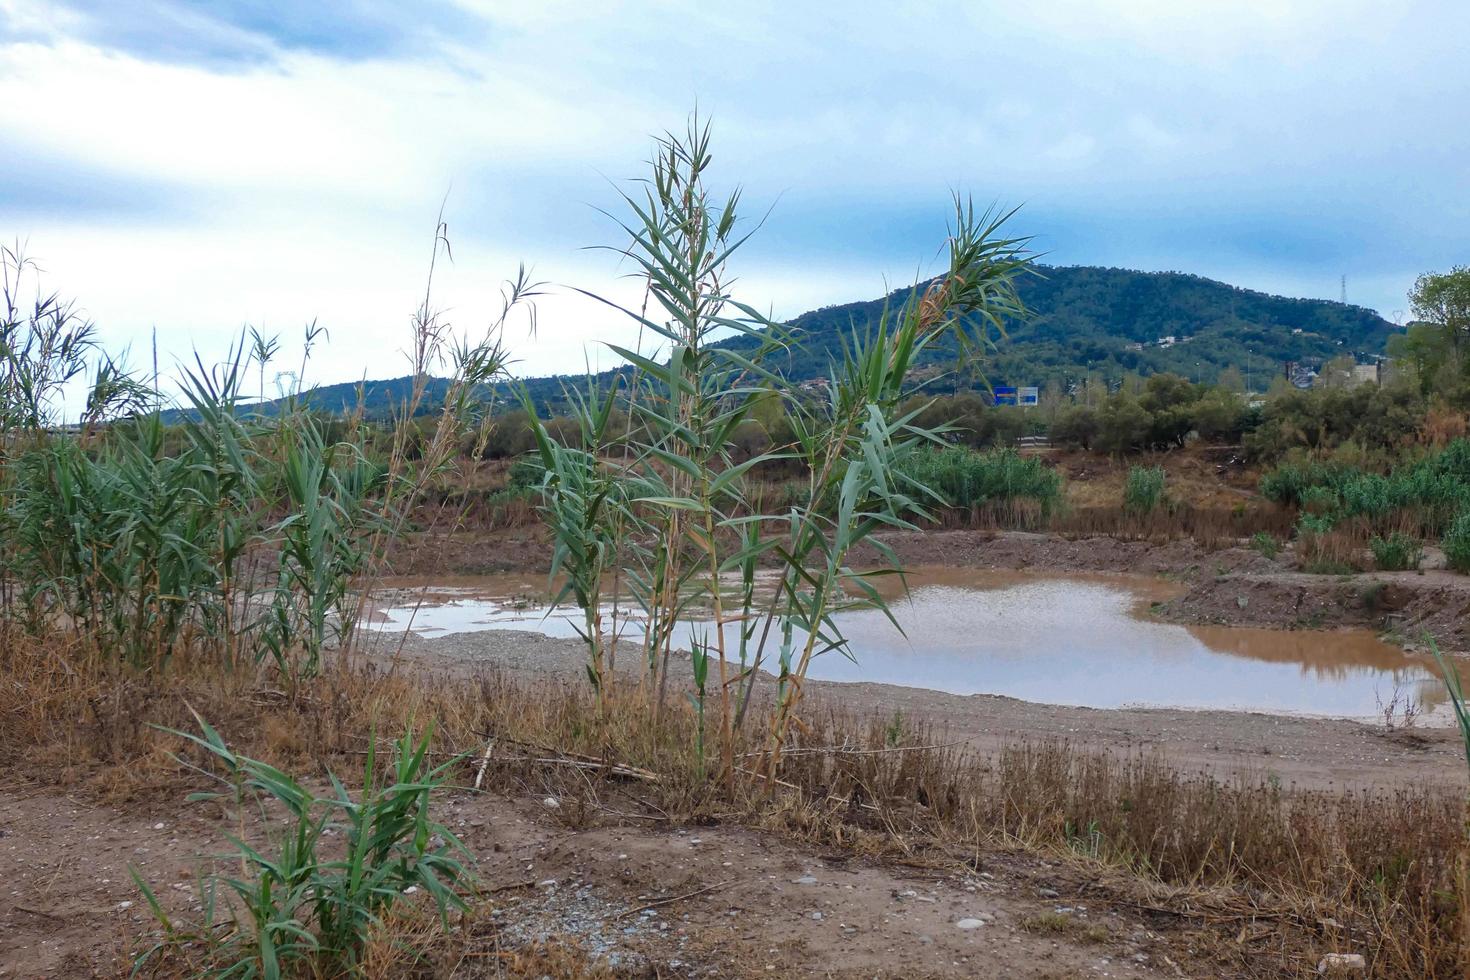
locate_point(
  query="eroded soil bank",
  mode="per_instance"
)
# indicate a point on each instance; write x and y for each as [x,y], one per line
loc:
[1231,586]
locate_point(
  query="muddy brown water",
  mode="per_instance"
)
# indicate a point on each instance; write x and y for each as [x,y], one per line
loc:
[1079,639]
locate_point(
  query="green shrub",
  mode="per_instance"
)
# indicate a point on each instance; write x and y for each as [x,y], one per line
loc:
[1266,544]
[1457,543]
[296,910]
[1396,552]
[524,475]
[1076,428]
[967,479]
[1425,494]
[1319,500]
[1144,491]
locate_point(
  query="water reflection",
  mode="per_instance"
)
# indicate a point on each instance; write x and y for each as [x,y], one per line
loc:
[1077,640]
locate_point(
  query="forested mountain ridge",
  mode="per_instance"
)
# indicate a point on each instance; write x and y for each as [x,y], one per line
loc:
[1083,318]
[1111,321]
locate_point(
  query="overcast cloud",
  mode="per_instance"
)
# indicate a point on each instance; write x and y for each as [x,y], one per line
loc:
[193,167]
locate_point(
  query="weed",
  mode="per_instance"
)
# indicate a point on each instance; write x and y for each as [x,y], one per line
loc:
[1266,544]
[1397,552]
[1457,543]
[294,908]
[1143,493]
[968,481]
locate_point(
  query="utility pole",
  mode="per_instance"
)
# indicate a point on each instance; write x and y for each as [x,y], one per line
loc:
[1344,289]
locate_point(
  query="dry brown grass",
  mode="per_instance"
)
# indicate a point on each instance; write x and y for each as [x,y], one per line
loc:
[1386,869]
[1343,550]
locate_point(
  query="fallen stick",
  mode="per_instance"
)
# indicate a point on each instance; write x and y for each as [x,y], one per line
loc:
[844,750]
[615,768]
[512,886]
[781,782]
[676,898]
[484,763]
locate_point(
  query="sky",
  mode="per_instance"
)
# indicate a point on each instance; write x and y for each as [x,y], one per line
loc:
[184,169]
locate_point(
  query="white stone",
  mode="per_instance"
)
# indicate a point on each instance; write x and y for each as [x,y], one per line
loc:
[1339,963]
[969,924]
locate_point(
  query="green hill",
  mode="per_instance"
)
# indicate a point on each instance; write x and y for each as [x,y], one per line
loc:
[1084,318]
[1111,321]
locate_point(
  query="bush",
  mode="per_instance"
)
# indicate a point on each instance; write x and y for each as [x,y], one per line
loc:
[1123,426]
[1220,416]
[524,475]
[1319,500]
[1397,552]
[1457,543]
[1429,491]
[1144,491]
[1266,544]
[966,479]
[1075,428]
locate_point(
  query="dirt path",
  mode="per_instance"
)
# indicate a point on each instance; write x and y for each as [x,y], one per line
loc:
[642,900]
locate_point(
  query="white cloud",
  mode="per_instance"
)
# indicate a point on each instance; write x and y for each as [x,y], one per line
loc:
[306,185]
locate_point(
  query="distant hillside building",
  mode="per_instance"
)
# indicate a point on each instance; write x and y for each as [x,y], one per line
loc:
[1299,375]
[1364,374]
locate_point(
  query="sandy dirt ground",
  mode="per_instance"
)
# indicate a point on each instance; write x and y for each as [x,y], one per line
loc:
[640,898]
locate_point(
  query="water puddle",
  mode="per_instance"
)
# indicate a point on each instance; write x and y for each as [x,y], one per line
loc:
[1083,640]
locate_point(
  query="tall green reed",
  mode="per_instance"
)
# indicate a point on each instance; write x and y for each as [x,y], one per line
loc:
[686,523]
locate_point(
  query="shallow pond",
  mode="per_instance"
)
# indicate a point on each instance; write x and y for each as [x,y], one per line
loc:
[1076,640]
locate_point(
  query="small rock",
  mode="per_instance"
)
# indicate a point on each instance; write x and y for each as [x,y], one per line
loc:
[1340,963]
[1241,601]
[969,924]
[816,917]
[551,803]
[926,940]
[1048,893]
[804,880]
[158,826]
[124,905]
